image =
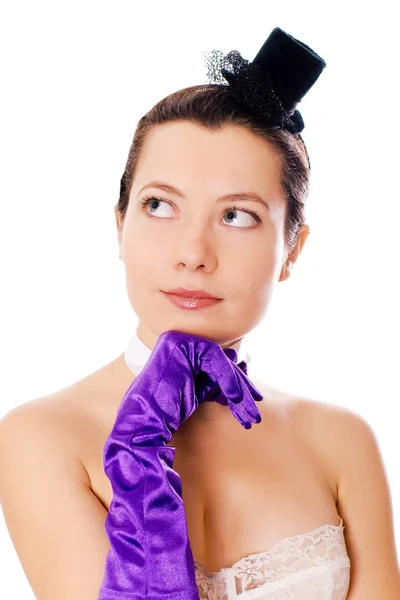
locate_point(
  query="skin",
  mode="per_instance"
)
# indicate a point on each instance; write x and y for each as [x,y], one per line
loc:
[196,242]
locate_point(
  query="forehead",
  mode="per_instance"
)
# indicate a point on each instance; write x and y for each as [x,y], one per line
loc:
[189,155]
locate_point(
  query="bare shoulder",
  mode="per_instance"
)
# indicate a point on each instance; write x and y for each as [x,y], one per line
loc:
[334,431]
[54,519]
[75,420]
[53,417]
[316,419]
[348,443]
[330,431]
[321,416]
[69,417]
[88,401]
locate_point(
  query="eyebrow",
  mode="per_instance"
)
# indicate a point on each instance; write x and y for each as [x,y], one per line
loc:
[166,187]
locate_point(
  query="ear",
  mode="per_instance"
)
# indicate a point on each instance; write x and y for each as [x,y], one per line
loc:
[302,235]
[119,228]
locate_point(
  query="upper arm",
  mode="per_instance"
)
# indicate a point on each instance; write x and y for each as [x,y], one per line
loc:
[55,521]
[365,504]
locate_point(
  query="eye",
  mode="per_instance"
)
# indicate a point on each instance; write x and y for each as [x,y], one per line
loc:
[146,201]
[248,213]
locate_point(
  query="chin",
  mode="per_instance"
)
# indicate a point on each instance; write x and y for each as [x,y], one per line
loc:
[205,330]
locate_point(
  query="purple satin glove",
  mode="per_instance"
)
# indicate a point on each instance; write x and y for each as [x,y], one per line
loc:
[150,556]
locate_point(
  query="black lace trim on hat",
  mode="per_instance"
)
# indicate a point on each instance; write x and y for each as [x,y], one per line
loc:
[251,86]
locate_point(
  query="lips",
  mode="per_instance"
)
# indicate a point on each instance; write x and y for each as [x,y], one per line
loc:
[190,303]
[184,292]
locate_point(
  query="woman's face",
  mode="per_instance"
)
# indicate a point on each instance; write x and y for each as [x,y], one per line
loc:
[198,239]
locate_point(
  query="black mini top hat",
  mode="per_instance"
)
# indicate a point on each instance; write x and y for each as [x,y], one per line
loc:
[277,79]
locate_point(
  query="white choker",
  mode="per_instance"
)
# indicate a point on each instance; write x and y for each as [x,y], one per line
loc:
[137,353]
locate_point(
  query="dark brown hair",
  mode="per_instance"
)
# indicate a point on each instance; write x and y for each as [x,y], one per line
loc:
[213,106]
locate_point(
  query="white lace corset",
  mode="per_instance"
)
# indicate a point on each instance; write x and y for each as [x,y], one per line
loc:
[310,566]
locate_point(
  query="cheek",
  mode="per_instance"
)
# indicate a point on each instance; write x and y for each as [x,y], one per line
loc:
[144,237]
[143,261]
[137,244]
[257,263]
[140,282]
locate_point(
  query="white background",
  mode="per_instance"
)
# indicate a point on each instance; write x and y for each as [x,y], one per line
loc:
[75,79]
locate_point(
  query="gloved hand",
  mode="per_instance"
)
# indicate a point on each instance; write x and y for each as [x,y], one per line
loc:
[150,556]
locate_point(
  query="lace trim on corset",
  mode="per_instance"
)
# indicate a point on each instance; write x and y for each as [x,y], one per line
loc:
[300,564]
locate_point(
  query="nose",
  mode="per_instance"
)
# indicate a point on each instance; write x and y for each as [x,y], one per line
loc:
[196,247]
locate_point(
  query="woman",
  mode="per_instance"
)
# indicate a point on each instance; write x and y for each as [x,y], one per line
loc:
[211,199]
